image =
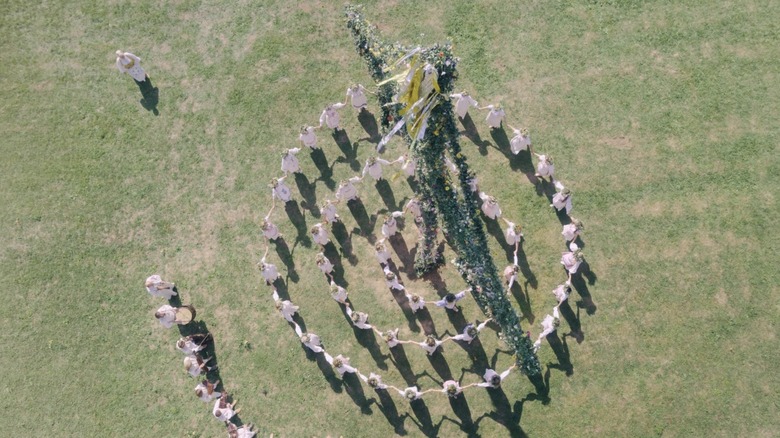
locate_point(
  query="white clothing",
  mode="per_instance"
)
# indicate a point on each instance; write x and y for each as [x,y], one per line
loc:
[393,340]
[510,275]
[495,116]
[131,65]
[463,103]
[286,308]
[330,116]
[270,230]
[451,384]
[242,432]
[168,317]
[344,367]
[393,282]
[382,254]
[325,265]
[466,336]
[411,393]
[320,235]
[225,413]
[204,393]
[415,305]
[560,200]
[375,379]
[519,142]
[488,383]
[360,321]
[290,162]
[409,166]
[357,96]
[311,341]
[544,168]
[308,138]
[451,304]
[338,293]
[328,211]
[413,206]
[429,349]
[281,191]
[189,347]
[569,260]
[561,292]
[375,169]
[570,232]
[159,288]
[269,271]
[490,207]
[193,365]
[512,237]
[548,326]
[390,226]
[347,191]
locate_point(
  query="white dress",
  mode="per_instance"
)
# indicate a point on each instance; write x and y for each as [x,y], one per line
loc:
[548,326]
[269,271]
[290,162]
[382,254]
[409,166]
[463,103]
[344,366]
[204,393]
[308,137]
[375,169]
[281,191]
[192,365]
[131,65]
[359,319]
[495,116]
[413,206]
[338,293]
[544,168]
[285,307]
[391,340]
[347,191]
[222,414]
[270,230]
[428,348]
[324,264]
[466,336]
[519,142]
[512,236]
[561,292]
[451,385]
[357,96]
[415,305]
[330,116]
[392,280]
[310,340]
[569,260]
[168,317]
[328,212]
[451,304]
[490,206]
[411,393]
[570,232]
[488,383]
[373,380]
[188,346]
[159,288]
[559,200]
[320,235]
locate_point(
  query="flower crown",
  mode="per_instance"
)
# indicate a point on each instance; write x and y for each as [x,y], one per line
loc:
[472,331]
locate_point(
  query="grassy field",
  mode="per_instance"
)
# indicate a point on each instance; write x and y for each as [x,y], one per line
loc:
[662,117]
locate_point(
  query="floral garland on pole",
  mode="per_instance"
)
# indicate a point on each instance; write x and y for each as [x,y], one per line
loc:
[461,223]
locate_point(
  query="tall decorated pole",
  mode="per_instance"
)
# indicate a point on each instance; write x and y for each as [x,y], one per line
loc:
[414,87]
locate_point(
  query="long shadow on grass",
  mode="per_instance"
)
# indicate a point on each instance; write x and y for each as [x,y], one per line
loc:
[297,219]
[332,254]
[402,251]
[150,95]
[423,418]
[521,162]
[386,193]
[347,148]
[308,193]
[573,320]
[387,406]
[579,284]
[283,251]
[561,350]
[460,406]
[367,339]
[523,299]
[403,303]
[354,388]
[360,214]
[368,122]
[503,414]
[472,134]
[402,364]
[344,238]
[495,230]
[325,168]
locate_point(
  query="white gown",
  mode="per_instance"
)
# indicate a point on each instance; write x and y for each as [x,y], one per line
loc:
[131,65]
[511,236]
[451,305]
[495,116]
[545,168]
[570,232]
[375,169]
[320,235]
[490,208]
[357,96]
[309,138]
[338,293]
[269,271]
[159,288]
[347,191]
[290,162]
[330,116]
[169,315]
[415,306]
[281,191]
[271,231]
[519,142]
[204,393]
[328,211]
[463,103]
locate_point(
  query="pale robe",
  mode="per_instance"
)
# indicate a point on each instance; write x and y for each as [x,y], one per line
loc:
[560,201]
[375,169]
[287,309]
[413,206]
[345,366]
[290,162]
[570,232]
[463,103]
[340,294]
[362,319]
[192,366]
[325,265]
[393,341]
[490,208]
[451,383]
[328,211]
[451,304]
[382,255]
[313,344]
[131,65]
[429,349]
[409,166]
[308,138]
[544,168]
[519,142]
[390,226]
[269,271]
[548,326]
[271,231]
[204,393]
[376,377]
[410,393]
[415,306]
[347,191]
[330,116]
[159,288]
[281,191]
[168,315]
[357,96]
[320,235]
[489,378]
[392,283]
[512,237]
[495,116]
[190,347]
[561,293]
[225,413]
[569,261]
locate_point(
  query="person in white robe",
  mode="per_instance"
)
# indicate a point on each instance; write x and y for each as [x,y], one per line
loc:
[346,191]
[450,301]
[392,280]
[373,380]
[268,270]
[390,225]
[359,319]
[196,365]
[562,199]
[561,293]
[193,343]
[430,344]
[510,275]
[290,162]
[470,332]
[356,95]
[159,288]
[451,388]
[324,264]
[490,206]
[166,315]
[381,252]
[413,207]
[549,324]
[572,259]
[463,103]
[495,115]
[285,307]
[338,293]
[308,137]
[416,302]
[128,63]
[330,115]
[270,230]
[513,234]
[411,393]
[408,164]
[520,140]
[310,340]
[319,233]
[493,379]
[280,190]
[328,212]
[340,364]
[544,167]
[207,391]
[390,336]
[572,230]
[244,431]
[223,410]
[373,167]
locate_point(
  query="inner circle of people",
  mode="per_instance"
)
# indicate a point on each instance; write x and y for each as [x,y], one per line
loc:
[346,193]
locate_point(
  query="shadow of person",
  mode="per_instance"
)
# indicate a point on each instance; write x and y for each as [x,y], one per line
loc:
[347,148]
[586,271]
[150,95]
[439,364]
[423,418]
[472,134]
[578,283]
[523,299]
[387,406]
[344,238]
[200,327]
[573,320]
[367,339]
[332,254]
[503,413]
[425,320]
[360,214]
[354,388]
[283,251]
[561,351]
[460,406]
[525,268]
[403,303]
[404,256]
[368,122]
[325,168]
[308,193]
[325,368]
[386,193]
[297,219]
[402,364]
[520,162]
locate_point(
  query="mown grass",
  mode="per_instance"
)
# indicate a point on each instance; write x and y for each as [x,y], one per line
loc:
[662,117]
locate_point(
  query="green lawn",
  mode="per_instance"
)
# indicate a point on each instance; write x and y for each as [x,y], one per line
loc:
[662,118]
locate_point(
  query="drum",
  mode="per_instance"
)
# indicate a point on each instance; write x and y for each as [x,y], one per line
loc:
[185,314]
